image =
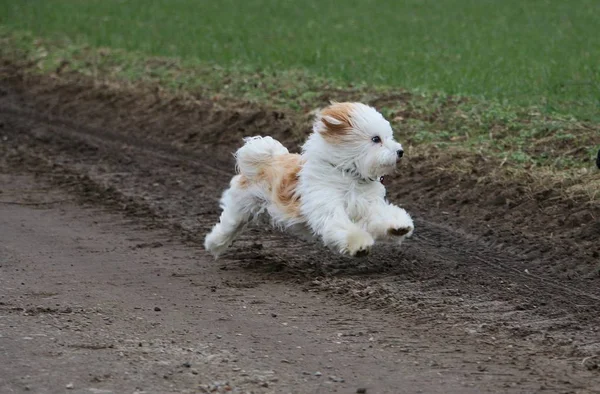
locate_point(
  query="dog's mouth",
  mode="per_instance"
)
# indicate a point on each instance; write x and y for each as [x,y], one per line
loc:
[388,169]
[376,173]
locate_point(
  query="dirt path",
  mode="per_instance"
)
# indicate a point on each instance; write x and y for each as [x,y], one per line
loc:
[451,312]
[89,299]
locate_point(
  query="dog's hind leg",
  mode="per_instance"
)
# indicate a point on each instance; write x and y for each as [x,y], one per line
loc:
[239,207]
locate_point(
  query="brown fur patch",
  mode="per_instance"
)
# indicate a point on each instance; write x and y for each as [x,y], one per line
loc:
[281,176]
[340,112]
[243,182]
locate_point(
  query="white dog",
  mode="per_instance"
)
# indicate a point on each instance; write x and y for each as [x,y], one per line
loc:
[332,191]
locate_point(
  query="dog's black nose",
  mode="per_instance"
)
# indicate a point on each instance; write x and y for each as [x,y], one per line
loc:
[400,153]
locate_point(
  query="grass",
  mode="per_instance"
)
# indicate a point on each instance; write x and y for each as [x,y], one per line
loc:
[518,136]
[492,140]
[542,53]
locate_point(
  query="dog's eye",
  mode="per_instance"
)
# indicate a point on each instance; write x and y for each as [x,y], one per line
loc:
[376,139]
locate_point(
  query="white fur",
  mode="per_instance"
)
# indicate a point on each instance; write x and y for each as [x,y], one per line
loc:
[341,200]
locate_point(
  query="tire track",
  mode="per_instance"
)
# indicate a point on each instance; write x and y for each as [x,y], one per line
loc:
[117,141]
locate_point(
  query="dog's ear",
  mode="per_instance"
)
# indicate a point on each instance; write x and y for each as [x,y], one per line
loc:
[336,121]
[331,121]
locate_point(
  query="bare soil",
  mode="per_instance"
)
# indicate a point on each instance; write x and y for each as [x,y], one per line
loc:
[107,192]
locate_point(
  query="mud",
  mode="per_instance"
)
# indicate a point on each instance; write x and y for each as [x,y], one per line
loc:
[499,288]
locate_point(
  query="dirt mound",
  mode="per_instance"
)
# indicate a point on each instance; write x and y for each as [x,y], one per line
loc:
[534,221]
[547,233]
[184,121]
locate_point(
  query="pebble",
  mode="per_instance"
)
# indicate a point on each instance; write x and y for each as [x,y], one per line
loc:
[157,309]
[70,386]
[215,386]
[361,390]
[318,373]
[187,365]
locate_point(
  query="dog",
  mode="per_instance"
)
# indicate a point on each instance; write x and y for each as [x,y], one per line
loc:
[332,191]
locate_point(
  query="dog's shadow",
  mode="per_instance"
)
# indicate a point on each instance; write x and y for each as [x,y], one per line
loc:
[286,254]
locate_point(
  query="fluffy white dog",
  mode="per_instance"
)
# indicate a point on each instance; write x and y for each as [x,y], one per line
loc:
[332,191]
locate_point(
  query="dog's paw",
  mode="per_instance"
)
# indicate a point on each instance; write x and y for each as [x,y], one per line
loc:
[215,244]
[359,243]
[400,231]
[400,225]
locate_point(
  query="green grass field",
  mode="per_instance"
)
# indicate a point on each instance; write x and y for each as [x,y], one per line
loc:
[543,52]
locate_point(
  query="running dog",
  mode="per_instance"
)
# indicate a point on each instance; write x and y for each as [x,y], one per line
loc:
[332,191]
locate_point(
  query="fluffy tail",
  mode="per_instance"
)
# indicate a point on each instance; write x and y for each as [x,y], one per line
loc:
[256,153]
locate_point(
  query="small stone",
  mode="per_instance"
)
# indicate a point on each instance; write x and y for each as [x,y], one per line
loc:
[70,386]
[219,336]
[284,361]
[318,373]
[187,365]
[157,309]
[361,390]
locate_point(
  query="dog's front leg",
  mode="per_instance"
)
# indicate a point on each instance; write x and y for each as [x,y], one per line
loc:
[389,221]
[337,230]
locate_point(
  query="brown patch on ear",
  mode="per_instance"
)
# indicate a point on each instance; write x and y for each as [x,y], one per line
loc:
[340,112]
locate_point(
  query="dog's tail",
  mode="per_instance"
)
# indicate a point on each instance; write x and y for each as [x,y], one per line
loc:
[256,153]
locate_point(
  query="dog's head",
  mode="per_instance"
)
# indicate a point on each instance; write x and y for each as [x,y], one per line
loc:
[357,138]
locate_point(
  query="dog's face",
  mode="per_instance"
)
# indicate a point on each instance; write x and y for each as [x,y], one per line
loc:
[360,138]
